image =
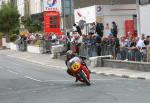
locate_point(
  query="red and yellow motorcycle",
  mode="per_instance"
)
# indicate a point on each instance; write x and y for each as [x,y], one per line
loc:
[79,70]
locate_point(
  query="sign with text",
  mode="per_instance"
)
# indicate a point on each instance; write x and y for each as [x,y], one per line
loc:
[52,22]
[52,5]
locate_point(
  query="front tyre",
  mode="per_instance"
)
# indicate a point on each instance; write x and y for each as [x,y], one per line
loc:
[84,78]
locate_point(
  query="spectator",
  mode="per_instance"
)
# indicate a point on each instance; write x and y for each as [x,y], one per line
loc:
[146,41]
[123,48]
[141,54]
[116,47]
[77,29]
[148,50]
[132,50]
[68,41]
[107,29]
[90,42]
[99,29]
[92,29]
[98,44]
[74,28]
[114,29]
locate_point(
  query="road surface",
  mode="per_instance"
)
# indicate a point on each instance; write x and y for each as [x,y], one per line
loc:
[26,82]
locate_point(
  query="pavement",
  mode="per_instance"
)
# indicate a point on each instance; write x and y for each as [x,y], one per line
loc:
[46,60]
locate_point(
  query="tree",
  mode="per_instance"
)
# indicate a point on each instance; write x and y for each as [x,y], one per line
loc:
[32,25]
[9,19]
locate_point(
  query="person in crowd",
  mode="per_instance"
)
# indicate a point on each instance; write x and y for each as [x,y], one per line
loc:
[123,48]
[104,43]
[94,47]
[68,41]
[53,38]
[23,45]
[148,50]
[18,41]
[114,29]
[32,38]
[109,43]
[146,41]
[99,29]
[75,44]
[47,43]
[132,50]
[77,29]
[89,43]
[98,44]
[74,29]
[92,28]
[141,53]
[107,30]
[84,47]
[116,47]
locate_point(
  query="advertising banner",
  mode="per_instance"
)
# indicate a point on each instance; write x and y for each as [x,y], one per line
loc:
[52,22]
[52,5]
[52,10]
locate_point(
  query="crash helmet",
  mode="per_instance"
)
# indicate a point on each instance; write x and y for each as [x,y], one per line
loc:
[70,54]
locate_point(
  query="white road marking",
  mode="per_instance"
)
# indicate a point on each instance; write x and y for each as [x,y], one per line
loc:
[63,80]
[57,80]
[12,72]
[28,77]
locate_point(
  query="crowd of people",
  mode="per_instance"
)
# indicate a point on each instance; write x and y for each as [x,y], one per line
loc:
[95,44]
[38,39]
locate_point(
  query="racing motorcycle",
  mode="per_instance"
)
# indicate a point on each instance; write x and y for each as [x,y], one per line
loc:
[79,70]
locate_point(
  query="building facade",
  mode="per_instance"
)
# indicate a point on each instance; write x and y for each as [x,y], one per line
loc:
[2,2]
[144,15]
[85,3]
[123,12]
[14,2]
[35,8]
[21,7]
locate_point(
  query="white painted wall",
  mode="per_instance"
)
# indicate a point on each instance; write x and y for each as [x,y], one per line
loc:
[145,19]
[89,13]
[128,9]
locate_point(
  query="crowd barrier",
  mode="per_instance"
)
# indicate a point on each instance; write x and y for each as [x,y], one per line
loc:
[117,53]
[92,50]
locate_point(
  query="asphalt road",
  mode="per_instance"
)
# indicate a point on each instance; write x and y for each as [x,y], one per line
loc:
[25,82]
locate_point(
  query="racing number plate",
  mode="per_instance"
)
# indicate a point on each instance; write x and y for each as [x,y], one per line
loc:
[75,67]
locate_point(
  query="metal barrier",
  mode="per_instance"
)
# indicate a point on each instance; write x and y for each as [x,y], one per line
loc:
[89,50]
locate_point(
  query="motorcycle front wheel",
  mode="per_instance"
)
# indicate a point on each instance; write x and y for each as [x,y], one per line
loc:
[84,78]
